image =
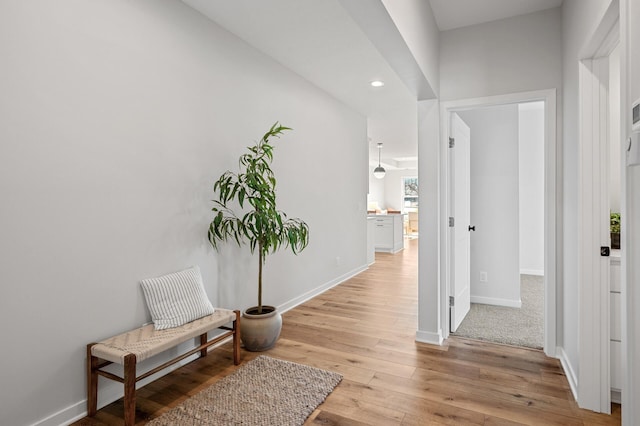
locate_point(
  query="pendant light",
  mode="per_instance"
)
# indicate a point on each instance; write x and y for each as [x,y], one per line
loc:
[379,171]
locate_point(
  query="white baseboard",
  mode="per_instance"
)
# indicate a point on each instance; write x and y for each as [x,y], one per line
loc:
[497,302]
[538,272]
[429,337]
[319,290]
[65,416]
[568,371]
[108,393]
[112,391]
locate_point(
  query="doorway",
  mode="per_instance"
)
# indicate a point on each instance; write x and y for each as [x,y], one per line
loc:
[505,225]
[448,109]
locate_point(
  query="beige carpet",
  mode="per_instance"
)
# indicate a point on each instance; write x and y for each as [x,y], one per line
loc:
[264,391]
[512,326]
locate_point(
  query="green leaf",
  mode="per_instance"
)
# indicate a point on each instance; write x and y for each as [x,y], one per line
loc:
[263,226]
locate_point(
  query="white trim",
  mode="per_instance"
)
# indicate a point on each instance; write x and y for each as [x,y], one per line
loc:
[628,245]
[67,415]
[319,290]
[551,213]
[594,390]
[445,234]
[568,371]
[496,302]
[111,391]
[536,272]
[431,338]
[553,201]
[593,329]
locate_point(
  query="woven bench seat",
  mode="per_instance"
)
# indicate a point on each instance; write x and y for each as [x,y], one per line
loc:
[146,341]
[142,343]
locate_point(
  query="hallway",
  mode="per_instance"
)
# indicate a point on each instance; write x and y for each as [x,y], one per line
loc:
[365,329]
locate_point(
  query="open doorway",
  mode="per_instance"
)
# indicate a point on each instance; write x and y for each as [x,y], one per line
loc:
[506,230]
[410,205]
[548,207]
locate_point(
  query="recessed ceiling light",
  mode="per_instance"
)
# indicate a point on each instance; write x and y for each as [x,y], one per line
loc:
[377,83]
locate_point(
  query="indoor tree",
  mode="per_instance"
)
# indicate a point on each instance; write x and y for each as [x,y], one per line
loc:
[258,220]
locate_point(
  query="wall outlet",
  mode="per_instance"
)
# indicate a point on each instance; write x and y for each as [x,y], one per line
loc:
[483,277]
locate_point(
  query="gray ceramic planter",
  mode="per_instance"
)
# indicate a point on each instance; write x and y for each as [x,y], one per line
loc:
[260,332]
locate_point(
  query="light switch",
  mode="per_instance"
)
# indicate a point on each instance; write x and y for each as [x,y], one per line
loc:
[633,149]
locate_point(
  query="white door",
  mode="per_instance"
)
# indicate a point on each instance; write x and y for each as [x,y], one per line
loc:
[460,211]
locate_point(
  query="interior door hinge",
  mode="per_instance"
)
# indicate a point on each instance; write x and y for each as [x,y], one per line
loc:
[452,301]
[452,142]
[451,222]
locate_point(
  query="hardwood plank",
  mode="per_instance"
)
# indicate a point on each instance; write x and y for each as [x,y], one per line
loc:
[386,396]
[362,410]
[365,329]
[336,358]
[331,419]
[497,421]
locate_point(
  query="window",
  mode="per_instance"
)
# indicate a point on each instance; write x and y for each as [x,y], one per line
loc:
[410,194]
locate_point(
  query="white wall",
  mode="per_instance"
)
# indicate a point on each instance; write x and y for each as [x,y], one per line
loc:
[579,21]
[376,190]
[614,130]
[494,204]
[630,11]
[417,25]
[117,118]
[531,184]
[431,261]
[506,56]
[394,187]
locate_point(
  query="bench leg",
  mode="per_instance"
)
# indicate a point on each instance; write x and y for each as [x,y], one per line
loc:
[236,339]
[92,382]
[130,390]
[203,340]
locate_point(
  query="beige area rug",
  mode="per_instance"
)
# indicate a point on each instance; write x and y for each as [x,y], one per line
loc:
[264,391]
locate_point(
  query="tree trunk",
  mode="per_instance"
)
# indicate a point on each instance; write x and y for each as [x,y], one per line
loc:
[260,259]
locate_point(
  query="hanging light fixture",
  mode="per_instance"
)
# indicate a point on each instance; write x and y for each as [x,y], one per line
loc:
[379,171]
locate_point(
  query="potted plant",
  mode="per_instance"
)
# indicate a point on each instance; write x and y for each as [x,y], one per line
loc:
[615,230]
[259,223]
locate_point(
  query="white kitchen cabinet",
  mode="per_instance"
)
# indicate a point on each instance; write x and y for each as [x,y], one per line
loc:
[388,233]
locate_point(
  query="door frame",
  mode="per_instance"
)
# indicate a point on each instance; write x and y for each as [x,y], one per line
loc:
[593,378]
[552,200]
[592,388]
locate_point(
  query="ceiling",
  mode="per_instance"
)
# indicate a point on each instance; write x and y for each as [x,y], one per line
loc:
[451,14]
[329,43]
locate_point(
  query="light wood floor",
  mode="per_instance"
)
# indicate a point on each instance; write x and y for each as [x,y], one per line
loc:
[365,330]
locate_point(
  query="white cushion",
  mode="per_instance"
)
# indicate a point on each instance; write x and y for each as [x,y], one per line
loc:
[176,299]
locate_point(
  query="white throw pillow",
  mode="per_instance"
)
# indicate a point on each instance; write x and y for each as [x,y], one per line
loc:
[176,299]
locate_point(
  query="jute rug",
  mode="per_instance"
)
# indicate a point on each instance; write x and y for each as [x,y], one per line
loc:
[264,391]
[512,326]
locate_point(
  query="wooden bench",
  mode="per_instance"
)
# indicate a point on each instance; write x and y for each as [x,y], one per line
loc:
[134,346]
